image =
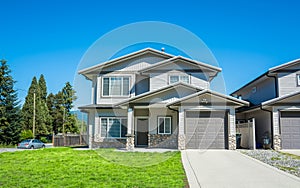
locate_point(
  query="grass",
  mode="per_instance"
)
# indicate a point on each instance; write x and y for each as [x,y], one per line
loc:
[275,158]
[65,167]
[286,168]
[290,155]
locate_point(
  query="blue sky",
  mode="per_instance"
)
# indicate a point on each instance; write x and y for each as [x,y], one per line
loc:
[49,37]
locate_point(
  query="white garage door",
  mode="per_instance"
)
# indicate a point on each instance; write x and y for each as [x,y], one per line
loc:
[290,130]
[206,130]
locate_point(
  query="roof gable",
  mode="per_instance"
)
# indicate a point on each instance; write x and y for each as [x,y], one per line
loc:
[162,95]
[289,99]
[208,97]
[99,67]
[183,64]
[286,67]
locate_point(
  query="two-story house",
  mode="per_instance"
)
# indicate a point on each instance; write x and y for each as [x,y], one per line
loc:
[275,104]
[153,99]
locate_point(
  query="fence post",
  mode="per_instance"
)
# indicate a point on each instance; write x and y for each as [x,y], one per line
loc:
[253,132]
[53,139]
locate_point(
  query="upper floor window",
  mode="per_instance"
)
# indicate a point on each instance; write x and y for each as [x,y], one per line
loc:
[115,86]
[298,79]
[179,78]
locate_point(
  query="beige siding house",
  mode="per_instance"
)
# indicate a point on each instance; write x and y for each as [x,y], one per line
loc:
[153,99]
[275,105]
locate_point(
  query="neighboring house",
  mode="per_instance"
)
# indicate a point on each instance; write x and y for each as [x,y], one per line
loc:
[153,99]
[275,105]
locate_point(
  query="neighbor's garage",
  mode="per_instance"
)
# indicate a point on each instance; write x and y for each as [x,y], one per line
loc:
[290,129]
[206,130]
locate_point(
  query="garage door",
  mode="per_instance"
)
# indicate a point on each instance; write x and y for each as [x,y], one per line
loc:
[206,130]
[290,130]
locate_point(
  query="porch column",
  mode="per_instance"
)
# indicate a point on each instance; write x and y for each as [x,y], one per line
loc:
[231,130]
[276,134]
[130,129]
[181,135]
[91,127]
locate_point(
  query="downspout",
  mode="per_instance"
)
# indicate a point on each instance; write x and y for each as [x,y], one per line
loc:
[271,112]
[176,116]
[276,84]
[276,95]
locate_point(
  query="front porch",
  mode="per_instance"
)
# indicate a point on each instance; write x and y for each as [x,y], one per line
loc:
[151,128]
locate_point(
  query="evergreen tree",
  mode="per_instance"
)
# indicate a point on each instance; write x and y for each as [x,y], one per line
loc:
[55,108]
[28,107]
[9,110]
[37,98]
[43,118]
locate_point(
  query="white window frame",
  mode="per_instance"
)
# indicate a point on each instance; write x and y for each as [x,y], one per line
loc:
[108,126]
[179,78]
[298,79]
[158,125]
[122,87]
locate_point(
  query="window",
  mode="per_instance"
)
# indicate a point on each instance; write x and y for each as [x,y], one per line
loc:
[164,125]
[113,127]
[115,86]
[181,78]
[298,79]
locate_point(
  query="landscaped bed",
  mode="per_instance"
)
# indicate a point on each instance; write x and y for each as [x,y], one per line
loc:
[283,161]
[65,167]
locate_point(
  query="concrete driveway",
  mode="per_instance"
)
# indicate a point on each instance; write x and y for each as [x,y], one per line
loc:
[224,168]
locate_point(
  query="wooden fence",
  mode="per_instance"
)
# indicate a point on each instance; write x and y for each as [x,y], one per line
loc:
[70,140]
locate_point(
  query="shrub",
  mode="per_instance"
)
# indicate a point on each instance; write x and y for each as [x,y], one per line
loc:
[26,134]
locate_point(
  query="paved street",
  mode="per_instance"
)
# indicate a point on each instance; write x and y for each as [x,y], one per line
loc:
[225,168]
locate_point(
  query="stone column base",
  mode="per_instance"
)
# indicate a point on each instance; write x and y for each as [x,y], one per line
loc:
[130,142]
[277,142]
[232,142]
[181,142]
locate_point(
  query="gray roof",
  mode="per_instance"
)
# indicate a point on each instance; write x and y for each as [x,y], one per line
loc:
[122,58]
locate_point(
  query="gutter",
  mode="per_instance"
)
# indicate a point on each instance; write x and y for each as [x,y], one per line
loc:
[177,114]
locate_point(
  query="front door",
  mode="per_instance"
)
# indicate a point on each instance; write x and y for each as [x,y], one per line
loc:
[142,132]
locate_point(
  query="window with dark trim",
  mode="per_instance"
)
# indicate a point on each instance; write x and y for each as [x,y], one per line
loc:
[112,127]
[298,79]
[164,125]
[115,86]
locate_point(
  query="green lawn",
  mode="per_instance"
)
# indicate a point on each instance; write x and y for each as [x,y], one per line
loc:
[65,167]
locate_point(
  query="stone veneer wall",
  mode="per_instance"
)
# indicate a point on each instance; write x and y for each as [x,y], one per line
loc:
[130,142]
[232,142]
[169,141]
[109,143]
[277,142]
[181,142]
